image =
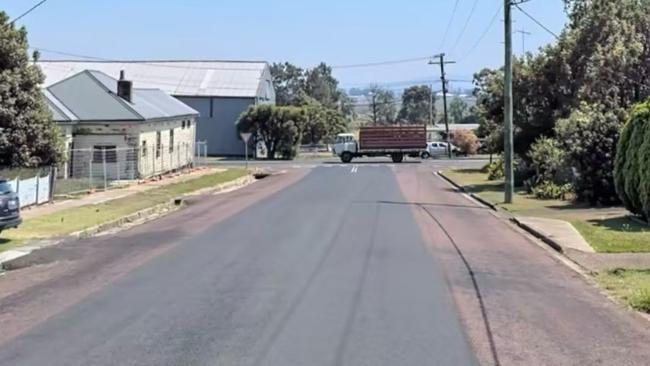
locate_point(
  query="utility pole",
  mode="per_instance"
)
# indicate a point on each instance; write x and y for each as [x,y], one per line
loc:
[523,39]
[507,109]
[431,105]
[374,108]
[442,63]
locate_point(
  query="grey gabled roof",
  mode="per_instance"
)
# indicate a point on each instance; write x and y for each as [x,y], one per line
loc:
[178,77]
[60,112]
[91,95]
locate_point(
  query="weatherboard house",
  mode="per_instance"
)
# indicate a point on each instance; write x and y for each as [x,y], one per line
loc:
[219,90]
[121,131]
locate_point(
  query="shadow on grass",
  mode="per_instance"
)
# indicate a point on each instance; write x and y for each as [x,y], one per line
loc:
[467,171]
[5,241]
[621,225]
[485,187]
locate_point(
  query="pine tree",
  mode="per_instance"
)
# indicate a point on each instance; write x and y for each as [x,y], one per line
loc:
[28,136]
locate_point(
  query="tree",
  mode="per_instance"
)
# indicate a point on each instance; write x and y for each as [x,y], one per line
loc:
[322,86]
[278,127]
[589,137]
[288,82]
[417,104]
[321,124]
[28,136]
[382,105]
[457,109]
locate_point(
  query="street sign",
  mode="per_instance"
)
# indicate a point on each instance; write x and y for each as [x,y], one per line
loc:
[245,136]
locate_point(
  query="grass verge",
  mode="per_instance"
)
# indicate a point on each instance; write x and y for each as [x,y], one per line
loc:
[607,230]
[631,286]
[79,218]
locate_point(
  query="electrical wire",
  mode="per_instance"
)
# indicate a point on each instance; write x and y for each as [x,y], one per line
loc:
[536,21]
[149,63]
[462,32]
[382,63]
[28,11]
[451,20]
[482,36]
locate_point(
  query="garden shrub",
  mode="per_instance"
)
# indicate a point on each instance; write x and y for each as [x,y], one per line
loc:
[588,137]
[466,141]
[632,163]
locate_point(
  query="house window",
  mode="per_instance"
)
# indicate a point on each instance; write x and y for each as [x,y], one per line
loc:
[183,125]
[158,142]
[171,140]
[144,148]
[104,152]
[189,123]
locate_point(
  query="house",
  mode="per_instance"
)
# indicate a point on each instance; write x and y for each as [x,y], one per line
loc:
[219,90]
[118,130]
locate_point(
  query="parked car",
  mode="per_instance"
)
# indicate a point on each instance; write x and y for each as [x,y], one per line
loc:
[9,207]
[436,149]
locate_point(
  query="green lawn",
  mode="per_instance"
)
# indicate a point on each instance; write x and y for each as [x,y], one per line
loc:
[631,286]
[606,229]
[80,218]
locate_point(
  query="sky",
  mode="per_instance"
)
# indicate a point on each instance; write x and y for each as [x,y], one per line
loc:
[303,32]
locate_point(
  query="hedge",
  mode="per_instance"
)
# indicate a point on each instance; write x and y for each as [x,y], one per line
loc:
[632,164]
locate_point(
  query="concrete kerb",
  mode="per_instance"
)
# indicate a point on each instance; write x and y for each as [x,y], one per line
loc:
[549,241]
[140,217]
[462,189]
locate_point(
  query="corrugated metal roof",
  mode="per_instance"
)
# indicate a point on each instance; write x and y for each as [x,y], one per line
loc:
[60,112]
[92,96]
[186,78]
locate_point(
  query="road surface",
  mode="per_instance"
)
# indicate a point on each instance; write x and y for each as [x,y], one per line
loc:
[363,264]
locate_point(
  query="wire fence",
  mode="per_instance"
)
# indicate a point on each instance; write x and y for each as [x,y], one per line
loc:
[105,167]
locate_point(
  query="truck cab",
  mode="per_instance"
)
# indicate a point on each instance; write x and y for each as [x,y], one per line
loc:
[346,146]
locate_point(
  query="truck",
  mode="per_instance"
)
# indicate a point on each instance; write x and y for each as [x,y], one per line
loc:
[394,141]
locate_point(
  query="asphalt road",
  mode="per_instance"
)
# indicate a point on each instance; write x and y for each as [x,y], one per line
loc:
[320,273]
[362,264]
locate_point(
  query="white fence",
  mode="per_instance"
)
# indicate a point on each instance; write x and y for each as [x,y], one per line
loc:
[33,189]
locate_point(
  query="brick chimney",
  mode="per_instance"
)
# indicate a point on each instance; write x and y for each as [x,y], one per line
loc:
[124,87]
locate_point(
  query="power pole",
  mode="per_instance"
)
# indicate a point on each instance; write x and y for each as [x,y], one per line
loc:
[442,63]
[507,111]
[431,105]
[523,39]
[374,109]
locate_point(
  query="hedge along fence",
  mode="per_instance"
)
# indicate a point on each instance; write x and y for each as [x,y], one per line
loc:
[632,164]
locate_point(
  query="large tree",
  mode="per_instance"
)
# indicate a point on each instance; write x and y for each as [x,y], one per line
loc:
[458,109]
[383,107]
[288,81]
[28,136]
[417,104]
[278,127]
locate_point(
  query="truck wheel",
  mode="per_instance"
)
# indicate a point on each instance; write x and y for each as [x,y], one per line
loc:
[425,155]
[346,157]
[397,157]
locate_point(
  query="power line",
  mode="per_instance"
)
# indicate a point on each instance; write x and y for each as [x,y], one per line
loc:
[451,20]
[536,21]
[462,32]
[381,63]
[485,32]
[28,11]
[143,62]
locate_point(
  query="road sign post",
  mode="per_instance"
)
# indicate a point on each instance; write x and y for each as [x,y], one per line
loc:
[246,136]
